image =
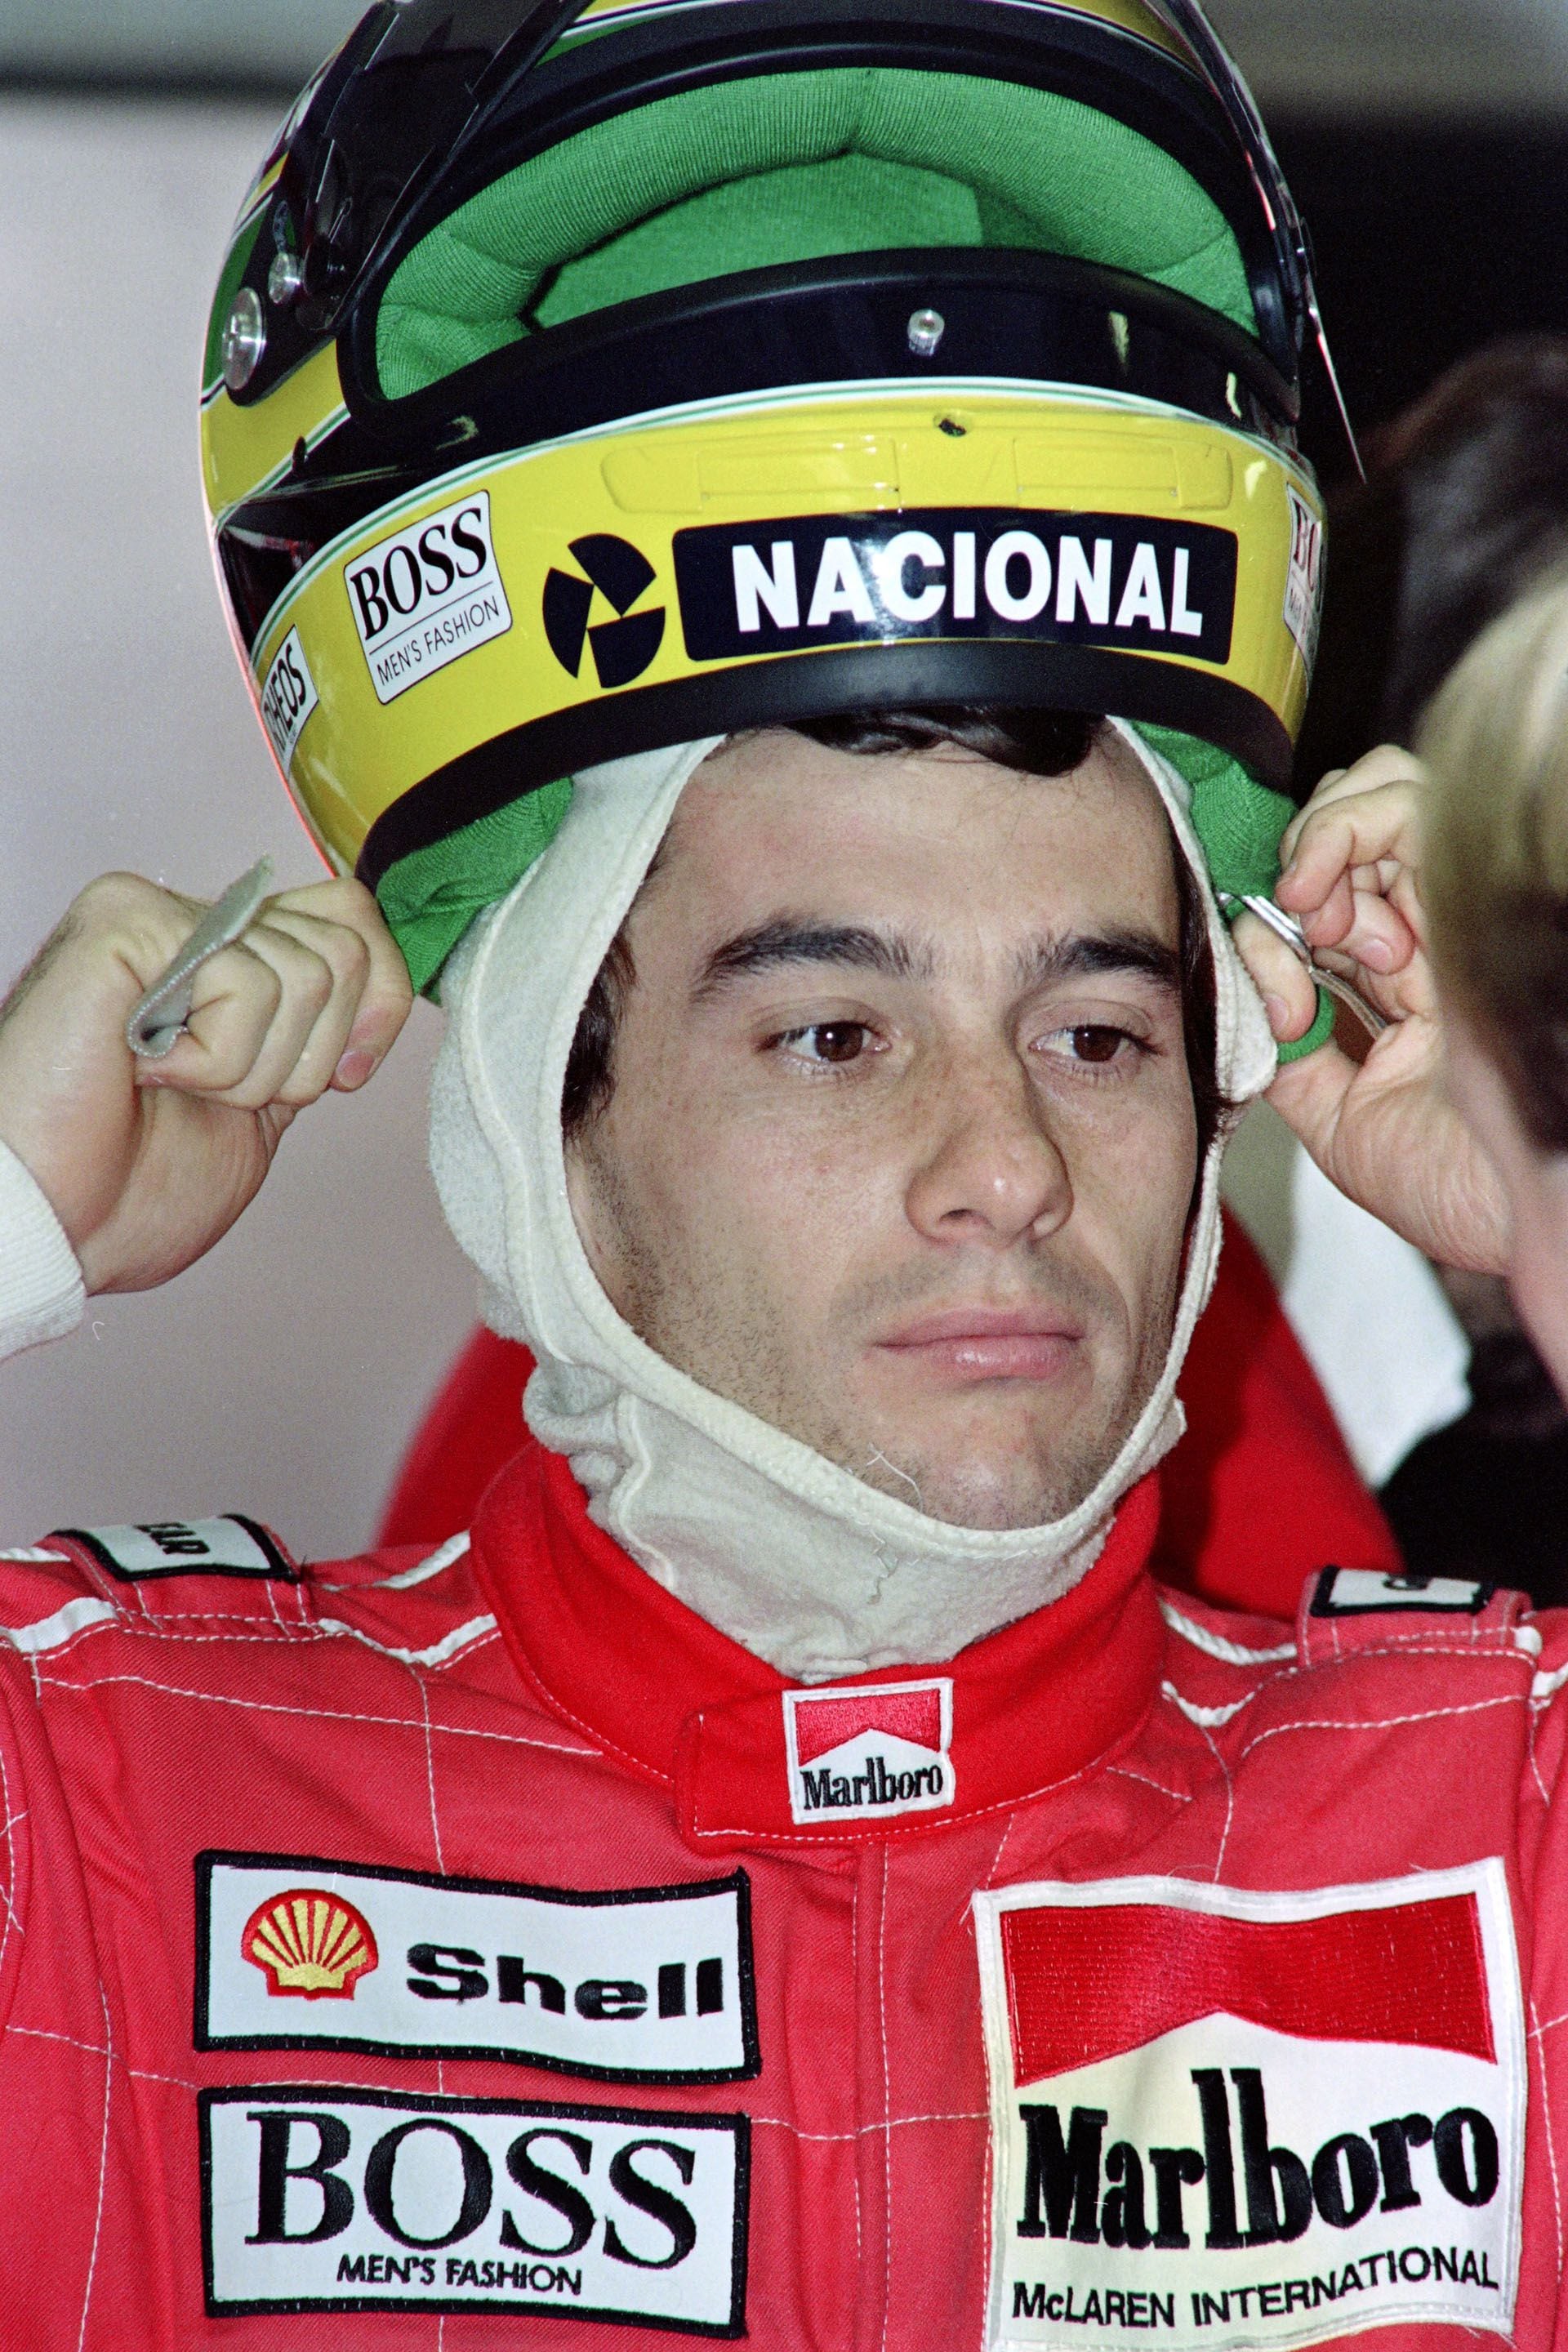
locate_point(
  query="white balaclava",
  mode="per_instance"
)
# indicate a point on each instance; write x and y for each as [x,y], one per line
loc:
[780,1549]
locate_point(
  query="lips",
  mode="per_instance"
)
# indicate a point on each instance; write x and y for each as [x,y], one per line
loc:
[987,1343]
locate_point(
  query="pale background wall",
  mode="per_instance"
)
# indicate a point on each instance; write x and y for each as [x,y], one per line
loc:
[282,1375]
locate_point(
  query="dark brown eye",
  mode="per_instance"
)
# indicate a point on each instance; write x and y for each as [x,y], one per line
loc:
[837,1041]
[1092,1043]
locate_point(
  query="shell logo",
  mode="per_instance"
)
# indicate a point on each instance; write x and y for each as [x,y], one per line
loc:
[309,1943]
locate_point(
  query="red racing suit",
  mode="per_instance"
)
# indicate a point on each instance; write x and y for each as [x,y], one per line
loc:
[484,1951]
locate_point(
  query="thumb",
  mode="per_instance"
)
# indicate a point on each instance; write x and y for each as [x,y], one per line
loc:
[1309,1097]
[1289,992]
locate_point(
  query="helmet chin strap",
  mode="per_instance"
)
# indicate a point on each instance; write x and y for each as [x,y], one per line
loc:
[784,1551]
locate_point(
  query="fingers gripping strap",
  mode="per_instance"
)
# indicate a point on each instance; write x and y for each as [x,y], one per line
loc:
[157,1020]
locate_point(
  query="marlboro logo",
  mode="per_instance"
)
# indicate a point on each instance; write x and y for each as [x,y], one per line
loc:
[1252,2119]
[869,1754]
[1088,1984]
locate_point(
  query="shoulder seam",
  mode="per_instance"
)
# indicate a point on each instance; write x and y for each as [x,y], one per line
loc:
[52,1632]
[438,1653]
[1216,1645]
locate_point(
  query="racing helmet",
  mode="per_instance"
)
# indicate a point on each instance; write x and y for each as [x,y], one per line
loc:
[587,376]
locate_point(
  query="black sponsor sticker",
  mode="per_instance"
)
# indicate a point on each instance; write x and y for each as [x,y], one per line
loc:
[1138,583]
[1367,1591]
[649,1984]
[321,2196]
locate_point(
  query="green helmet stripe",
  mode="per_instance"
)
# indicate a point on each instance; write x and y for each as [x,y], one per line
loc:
[431,896]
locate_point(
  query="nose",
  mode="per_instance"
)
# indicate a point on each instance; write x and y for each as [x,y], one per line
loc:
[990,1172]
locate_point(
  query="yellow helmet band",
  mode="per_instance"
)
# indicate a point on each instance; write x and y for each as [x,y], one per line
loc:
[682,576]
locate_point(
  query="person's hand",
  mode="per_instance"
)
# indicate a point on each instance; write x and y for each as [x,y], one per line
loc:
[146,1163]
[1382,1130]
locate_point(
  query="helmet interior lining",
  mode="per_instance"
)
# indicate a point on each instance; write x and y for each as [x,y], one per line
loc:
[789,167]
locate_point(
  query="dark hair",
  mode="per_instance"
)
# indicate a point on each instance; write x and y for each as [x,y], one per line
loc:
[1464,504]
[1035,743]
[589,1072]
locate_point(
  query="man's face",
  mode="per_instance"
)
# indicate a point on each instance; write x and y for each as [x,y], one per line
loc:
[901,1141]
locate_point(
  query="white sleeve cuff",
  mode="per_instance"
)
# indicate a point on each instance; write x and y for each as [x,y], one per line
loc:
[41,1292]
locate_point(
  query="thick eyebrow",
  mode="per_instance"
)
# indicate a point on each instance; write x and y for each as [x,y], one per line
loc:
[797,939]
[1088,955]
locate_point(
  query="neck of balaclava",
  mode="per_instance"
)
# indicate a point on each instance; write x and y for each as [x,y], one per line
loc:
[821,1584]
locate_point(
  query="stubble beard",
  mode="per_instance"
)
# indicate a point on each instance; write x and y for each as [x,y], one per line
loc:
[1010,1485]
[730,1343]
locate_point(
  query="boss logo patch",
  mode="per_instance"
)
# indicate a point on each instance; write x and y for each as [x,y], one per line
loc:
[1366,1591]
[1252,2119]
[864,1754]
[226,1547]
[1127,580]
[427,595]
[637,1984]
[318,2198]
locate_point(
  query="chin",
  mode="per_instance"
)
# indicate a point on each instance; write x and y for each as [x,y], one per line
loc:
[997,1458]
[992,1509]
[1006,1491]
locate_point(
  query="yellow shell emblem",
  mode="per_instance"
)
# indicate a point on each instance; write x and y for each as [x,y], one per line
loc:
[311,1944]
